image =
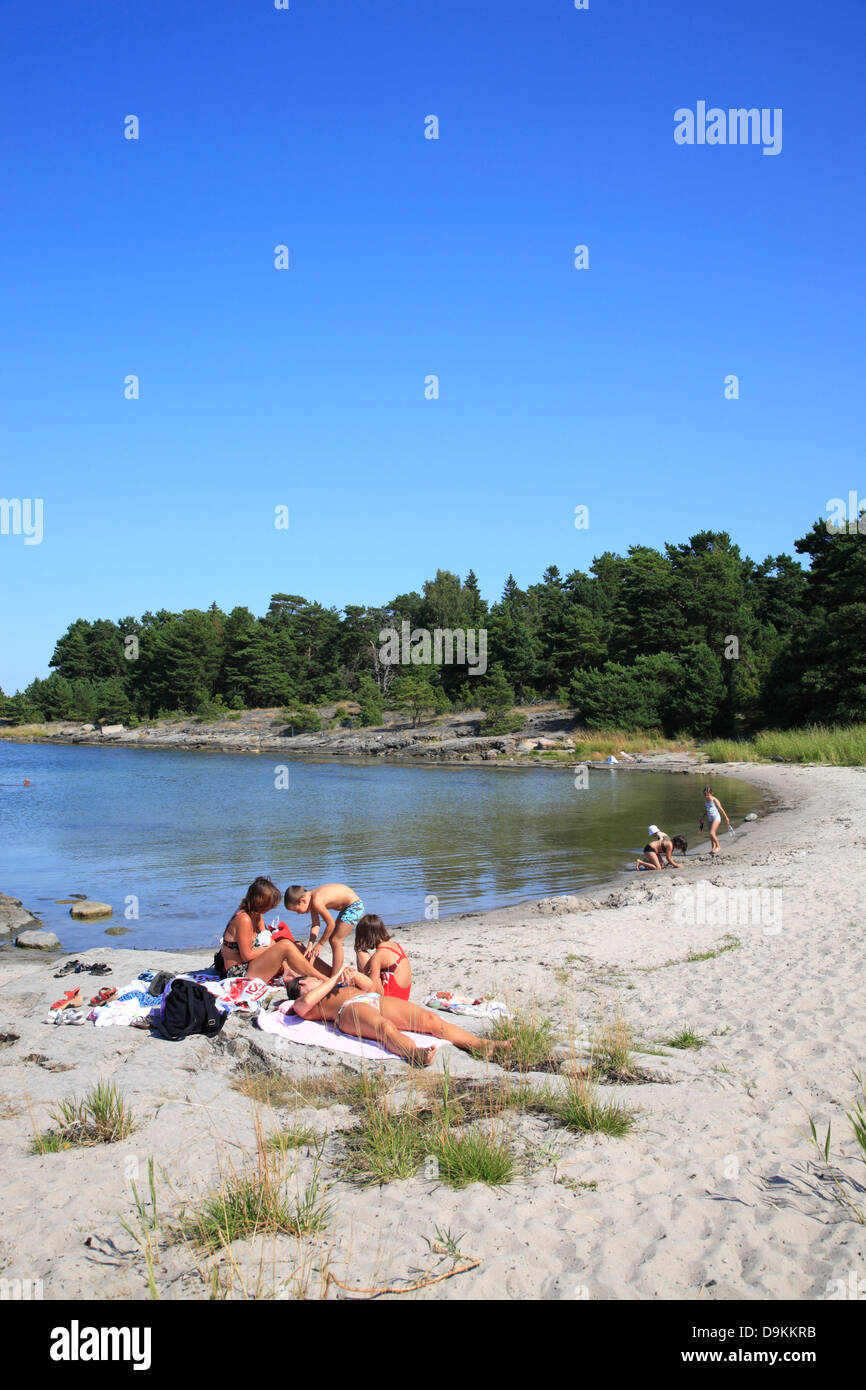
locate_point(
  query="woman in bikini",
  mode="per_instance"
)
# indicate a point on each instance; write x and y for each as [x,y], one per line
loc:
[364,1013]
[382,960]
[662,846]
[239,956]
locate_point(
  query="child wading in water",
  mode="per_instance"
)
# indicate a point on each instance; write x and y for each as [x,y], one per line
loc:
[382,960]
[319,902]
[712,807]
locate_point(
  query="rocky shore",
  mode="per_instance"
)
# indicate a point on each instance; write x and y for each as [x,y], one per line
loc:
[549,736]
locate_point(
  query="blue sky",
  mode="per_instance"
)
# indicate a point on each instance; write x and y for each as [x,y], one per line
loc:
[411,257]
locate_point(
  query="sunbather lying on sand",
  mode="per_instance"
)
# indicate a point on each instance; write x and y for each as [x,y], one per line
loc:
[367,1014]
[238,954]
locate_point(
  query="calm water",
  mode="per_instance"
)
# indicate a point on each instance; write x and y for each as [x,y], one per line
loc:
[186,832]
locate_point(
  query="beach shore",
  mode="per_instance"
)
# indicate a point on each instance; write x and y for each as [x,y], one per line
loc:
[711,1194]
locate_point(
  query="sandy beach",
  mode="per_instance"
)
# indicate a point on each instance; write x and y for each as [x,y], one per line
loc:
[712,1194]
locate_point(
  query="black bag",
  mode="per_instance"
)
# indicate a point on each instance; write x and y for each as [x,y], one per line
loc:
[188,1008]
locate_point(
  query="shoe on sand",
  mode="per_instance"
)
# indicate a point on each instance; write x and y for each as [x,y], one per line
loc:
[105,995]
[71,998]
[66,969]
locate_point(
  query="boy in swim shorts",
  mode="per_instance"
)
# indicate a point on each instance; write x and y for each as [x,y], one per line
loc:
[321,903]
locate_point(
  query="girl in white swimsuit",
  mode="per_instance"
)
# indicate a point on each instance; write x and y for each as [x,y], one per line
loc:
[713,810]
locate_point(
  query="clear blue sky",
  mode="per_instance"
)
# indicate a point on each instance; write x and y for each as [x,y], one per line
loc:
[411,257]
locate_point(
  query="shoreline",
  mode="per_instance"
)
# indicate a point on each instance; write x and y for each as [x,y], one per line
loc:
[549,738]
[620,880]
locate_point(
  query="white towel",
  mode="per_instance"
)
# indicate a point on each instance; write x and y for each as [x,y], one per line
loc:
[311,1034]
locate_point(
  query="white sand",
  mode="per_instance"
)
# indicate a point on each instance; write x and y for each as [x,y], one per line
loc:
[712,1194]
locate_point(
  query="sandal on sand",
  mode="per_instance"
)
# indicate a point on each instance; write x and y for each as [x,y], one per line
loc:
[105,995]
[66,969]
[71,998]
[98,969]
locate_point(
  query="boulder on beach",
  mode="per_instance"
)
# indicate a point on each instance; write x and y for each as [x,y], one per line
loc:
[38,941]
[14,916]
[90,911]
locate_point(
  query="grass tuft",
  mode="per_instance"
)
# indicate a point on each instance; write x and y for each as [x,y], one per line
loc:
[686,1038]
[581,1108]
[532,1043]
[100,1117]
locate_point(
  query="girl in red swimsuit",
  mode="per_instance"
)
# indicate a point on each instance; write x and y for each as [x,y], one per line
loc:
[382,960]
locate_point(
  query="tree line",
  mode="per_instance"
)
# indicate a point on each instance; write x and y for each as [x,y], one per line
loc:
[694,638]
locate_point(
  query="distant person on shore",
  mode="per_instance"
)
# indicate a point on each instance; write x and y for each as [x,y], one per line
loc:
[240,957]
[382,959]
[661,847]
[365,1014]
[713,812]
[320,903]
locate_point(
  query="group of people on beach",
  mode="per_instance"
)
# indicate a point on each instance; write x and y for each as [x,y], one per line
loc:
[369,999]
[661,846]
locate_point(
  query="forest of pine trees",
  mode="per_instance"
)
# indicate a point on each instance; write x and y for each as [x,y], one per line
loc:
[695,639]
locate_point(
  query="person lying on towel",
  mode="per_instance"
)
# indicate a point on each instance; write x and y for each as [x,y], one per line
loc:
[366,1013]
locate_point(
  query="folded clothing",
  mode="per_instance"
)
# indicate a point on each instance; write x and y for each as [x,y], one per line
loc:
[478,1007]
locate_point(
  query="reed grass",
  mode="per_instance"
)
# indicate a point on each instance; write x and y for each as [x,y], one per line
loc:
[842,745]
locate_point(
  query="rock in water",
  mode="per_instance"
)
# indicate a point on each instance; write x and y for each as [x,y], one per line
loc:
[117,931]
[90,911]
[13,916]
[38,941]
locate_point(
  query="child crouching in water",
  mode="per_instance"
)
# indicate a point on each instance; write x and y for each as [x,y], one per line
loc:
[381,959]
[320,903]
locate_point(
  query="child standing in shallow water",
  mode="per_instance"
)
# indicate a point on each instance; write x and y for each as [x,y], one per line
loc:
[321,902]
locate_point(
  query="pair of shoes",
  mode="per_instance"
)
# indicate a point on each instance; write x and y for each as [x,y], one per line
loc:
[71,998]
[73,1016]
[68,969]
[99,969]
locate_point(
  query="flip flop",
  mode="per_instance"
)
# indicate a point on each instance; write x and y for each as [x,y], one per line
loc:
[71,999]
[67,969]
[104,996]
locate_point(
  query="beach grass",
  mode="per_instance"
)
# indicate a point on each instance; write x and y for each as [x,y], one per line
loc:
[612,1048]
[686,1038]
[434,1135]
[532,1038]
[474,1156]
[258,1202]
[581,1107]
[280,1091]
[837,745]
[101,1116]
[295,1137]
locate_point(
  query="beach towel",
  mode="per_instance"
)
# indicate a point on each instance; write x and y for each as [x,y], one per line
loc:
[479,1007]
[310,1034]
